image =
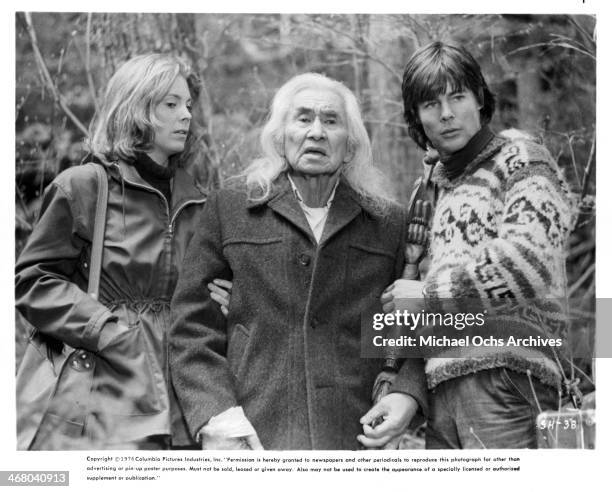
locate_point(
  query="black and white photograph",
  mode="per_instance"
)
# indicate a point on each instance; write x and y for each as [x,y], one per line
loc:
[290,238]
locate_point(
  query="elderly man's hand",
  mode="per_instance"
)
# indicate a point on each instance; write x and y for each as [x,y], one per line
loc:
[401,289]
[396,410]
[221,443]
[230,430]
[221,293]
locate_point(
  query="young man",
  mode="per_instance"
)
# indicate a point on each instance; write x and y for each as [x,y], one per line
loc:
[499,232]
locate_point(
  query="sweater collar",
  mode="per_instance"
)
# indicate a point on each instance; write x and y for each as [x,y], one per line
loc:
[148,167]
[457,162]
[467,159]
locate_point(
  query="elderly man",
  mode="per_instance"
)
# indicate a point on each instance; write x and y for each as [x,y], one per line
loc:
[499,232]
[309,238]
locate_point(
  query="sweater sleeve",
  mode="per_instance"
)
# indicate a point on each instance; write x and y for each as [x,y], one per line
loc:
[44,291]
[198,337]
[524,258]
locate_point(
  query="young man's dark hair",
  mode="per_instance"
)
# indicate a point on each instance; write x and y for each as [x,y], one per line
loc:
[430,71]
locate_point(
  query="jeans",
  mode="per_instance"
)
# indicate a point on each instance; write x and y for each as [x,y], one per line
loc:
[490,409]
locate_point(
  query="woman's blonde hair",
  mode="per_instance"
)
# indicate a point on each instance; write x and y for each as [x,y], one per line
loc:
[360,173]
[124,124]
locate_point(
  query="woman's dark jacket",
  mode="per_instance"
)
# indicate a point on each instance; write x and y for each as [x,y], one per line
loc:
[145,242]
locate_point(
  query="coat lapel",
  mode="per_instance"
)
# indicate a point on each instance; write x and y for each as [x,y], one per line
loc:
[285,203]
[345,207]
[343,210]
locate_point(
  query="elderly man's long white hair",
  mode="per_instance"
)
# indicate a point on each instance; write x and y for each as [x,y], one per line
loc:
[360,173]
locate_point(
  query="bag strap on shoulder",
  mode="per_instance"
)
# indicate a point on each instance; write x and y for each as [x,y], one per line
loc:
[97,243]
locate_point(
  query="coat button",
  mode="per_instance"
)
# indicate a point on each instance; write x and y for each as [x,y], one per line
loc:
[304,259]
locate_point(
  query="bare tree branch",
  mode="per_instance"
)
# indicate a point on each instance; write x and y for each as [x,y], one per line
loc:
[59,98]
[588,272]
[90,82]
[554,44]
[589,295]
[587,35]
[589,167]
[352,52]
[581,249]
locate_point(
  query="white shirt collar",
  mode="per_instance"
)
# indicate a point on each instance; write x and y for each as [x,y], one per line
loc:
[298,195]
[316,216]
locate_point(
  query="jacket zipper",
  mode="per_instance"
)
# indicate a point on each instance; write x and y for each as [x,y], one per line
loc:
[150,188]
[182,206]
[170,229]
[171,218]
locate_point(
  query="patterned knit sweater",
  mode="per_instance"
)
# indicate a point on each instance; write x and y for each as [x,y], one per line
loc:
[500,231]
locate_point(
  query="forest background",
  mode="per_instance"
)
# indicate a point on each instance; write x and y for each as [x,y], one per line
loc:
[541,68]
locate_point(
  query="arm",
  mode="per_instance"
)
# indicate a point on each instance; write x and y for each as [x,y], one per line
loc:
[44,291]
[399,390]
[417,229]
[393,413]
[198,337]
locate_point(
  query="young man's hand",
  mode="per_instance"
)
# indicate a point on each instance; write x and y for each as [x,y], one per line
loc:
[401,289]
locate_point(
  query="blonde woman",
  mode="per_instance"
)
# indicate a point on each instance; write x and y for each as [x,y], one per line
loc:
[139,135]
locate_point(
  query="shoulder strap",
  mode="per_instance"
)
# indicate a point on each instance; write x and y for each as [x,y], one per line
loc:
[97,242]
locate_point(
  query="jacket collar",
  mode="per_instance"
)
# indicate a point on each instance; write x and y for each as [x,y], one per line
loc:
[344,208]
[184,187]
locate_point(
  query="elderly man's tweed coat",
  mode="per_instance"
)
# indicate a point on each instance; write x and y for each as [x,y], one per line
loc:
[289,352]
